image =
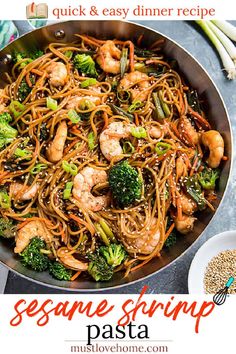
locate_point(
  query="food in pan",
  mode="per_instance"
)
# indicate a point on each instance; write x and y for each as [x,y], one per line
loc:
[106,157]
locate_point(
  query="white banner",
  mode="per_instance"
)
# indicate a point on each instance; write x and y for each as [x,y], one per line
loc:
[60,324]
[119,10]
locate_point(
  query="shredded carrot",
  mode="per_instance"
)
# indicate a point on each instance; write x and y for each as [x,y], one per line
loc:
[105,117]
[27,78]
[131,54]
[187,161]
[199,117]
[194,166]
[70,146]
[175,130]
[172,226]
[78,219]
[157,43]
[139,41]
[74,129]
[136,118]
[75,276]
[37,72]
[225,158]
[34,218]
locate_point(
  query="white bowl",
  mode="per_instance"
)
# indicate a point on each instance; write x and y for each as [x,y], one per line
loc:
[221,242]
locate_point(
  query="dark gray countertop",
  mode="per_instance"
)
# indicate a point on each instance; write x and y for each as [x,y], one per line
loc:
[174,278]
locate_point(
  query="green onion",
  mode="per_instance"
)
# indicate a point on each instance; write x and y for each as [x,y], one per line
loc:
[68,54]
[159,111]
[123,96]
[38,168]
[102,234]
[164,105]
[88,82]
[162,148]
[73,116]
[228,63]
[120,111]
[51,104]
[67,190]
[135,105]
[22,153]
[70,168]
[91,141]
[123,61]
[16,108]
[227,43]
[5,200]
[128,148]
[138,132]
[107,230]
[227,28]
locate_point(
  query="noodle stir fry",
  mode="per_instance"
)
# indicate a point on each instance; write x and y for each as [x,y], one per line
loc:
[106,155]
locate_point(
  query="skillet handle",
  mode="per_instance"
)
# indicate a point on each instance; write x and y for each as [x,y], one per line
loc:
[23,26]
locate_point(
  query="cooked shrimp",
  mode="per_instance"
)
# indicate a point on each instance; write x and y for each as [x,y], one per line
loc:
[18,190]
[83,184]
[215,143]
[189,206]
[70,261]
[32,229]
[157,132]
[188,131]
[137,84]
[57,74]
[185,225]
[55,150]
[109,57]
[75,101]
[181,168]
[110,139]
[145,244]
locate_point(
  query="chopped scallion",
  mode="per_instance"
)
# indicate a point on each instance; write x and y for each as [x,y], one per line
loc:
[138,132]
[51,104]
[73,116]
[162,148]
[67,190]
[88,82]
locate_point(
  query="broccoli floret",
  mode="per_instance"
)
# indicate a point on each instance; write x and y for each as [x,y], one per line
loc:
[125,184]
[98,268]
[7,133]
[18,56]
[59,271]
[207,178]
[114,254]
[7,228]
[171,239]
[85,64]
[33,258]
[23,91]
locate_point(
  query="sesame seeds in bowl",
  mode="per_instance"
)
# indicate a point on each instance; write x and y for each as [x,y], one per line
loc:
[213,264]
